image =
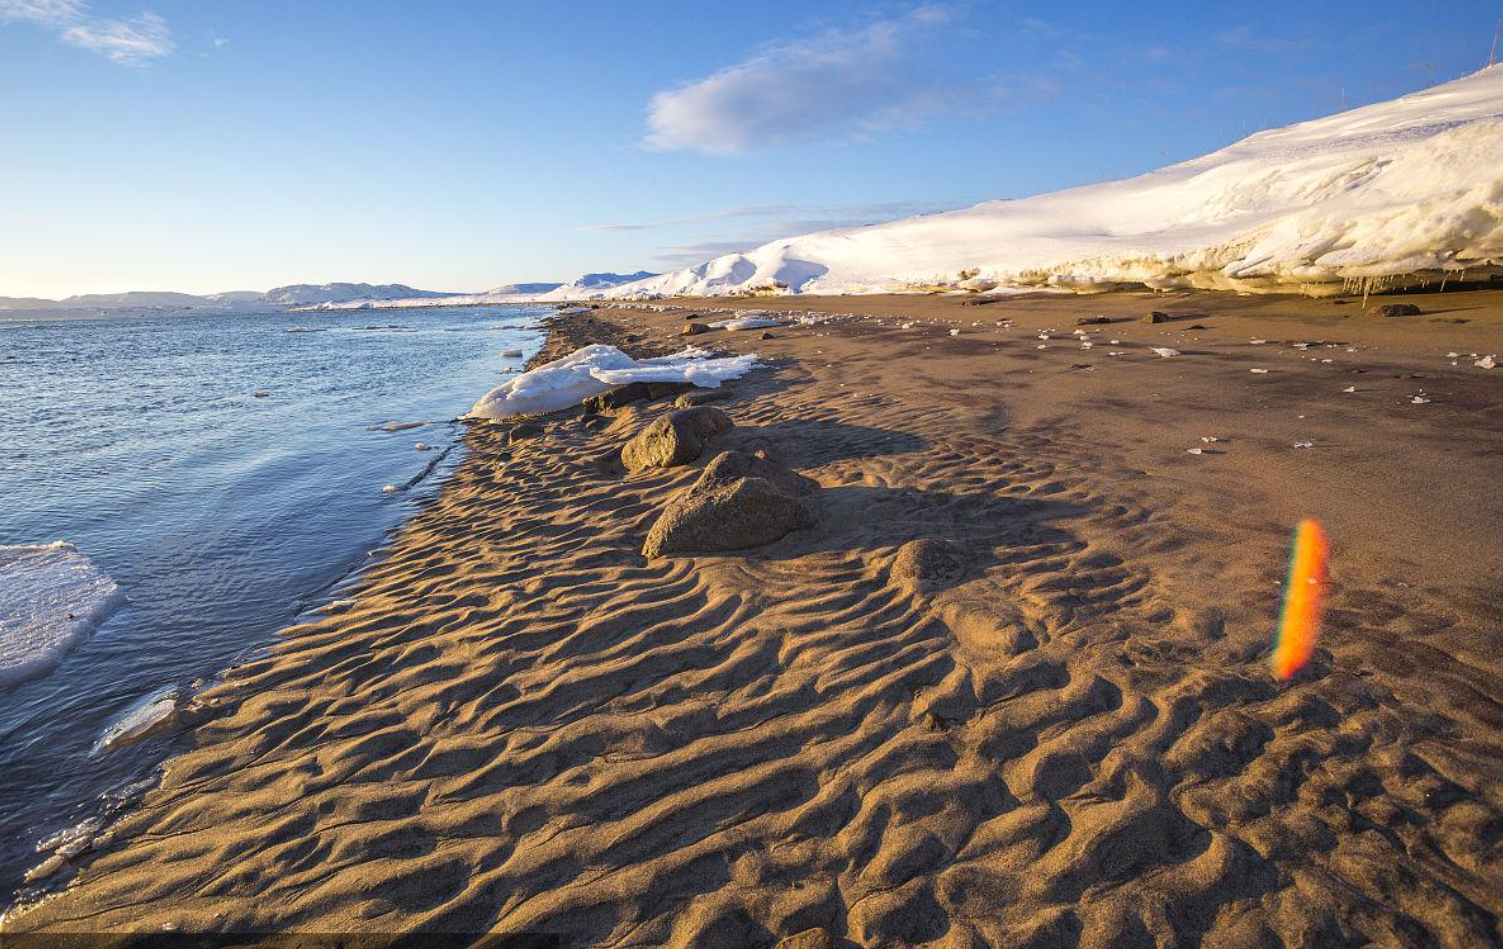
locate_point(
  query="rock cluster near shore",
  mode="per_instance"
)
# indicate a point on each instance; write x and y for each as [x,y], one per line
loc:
[740,499]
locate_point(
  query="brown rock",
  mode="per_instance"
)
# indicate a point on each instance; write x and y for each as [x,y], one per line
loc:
[767,336]
[739,501]
[927,564]
[702,396]
[815,938]
[694,329]
[523,431]
[664,390]
[748,512]
[674,439]
[608,402]
[1093,320]
[729,466]
[1391,310]
[1155,317]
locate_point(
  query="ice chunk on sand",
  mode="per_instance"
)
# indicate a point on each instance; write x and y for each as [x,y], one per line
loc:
[753,321]
[141,720]
[594,369]
[1164,351]
[51,597]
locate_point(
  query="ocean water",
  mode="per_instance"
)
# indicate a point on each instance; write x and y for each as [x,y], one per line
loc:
[228,474]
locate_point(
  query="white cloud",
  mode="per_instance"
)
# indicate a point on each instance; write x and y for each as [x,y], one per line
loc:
[130,41]
[842,84]
[44,12]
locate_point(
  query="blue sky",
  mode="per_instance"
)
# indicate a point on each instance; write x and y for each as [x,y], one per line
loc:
[205,145]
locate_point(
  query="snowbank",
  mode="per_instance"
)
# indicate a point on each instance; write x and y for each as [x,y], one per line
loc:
[566,382]
[1399,187]
[51,596]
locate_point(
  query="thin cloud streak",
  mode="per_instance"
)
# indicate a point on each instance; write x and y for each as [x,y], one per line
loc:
[842,84]
[129,41]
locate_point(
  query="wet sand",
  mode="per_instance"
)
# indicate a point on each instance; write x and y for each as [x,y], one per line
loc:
[519,723]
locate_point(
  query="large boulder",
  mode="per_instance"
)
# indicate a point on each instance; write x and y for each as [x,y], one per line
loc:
[674,439]
[729,466]
[739,501]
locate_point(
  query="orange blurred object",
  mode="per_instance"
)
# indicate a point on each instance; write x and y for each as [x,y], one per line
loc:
[1304,599]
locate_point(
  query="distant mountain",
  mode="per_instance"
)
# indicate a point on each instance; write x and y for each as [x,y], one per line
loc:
[301,294]
[305,294]
[133,298]
[585,284]
[521,289]
[25,303]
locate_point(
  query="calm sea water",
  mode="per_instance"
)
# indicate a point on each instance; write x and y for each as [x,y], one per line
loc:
[142,440]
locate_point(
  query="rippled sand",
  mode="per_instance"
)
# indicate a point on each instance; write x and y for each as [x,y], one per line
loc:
[520,724]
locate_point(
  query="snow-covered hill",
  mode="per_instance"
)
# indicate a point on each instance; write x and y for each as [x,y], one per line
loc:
[305,294]
[596,283]
[301,294]
[1410,185]
[586,285]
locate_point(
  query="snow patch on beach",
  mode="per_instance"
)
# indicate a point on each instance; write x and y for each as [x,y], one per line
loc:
[566,382]
[51,597]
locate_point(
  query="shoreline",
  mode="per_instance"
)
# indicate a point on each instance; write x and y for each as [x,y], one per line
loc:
[518,723]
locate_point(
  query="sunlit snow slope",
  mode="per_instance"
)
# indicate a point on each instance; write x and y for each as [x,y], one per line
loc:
[1411,185]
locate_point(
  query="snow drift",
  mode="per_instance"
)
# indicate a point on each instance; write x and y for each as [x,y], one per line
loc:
[1400,187]
[51,596]
[566,382]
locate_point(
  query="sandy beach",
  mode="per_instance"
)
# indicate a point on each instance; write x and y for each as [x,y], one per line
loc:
[1067,737]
